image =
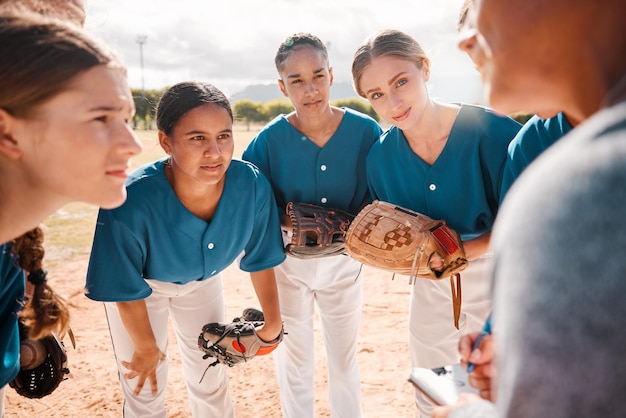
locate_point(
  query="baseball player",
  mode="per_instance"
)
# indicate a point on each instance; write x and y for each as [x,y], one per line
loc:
[442,160]
[51,153]
[538,133]
[187,218]
[316,155]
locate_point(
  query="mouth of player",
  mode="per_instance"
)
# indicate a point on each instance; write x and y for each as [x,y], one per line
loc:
[313,103]
[212,167]
[119,172]
[402,116]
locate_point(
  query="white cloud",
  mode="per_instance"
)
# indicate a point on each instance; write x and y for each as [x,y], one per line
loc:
[232,43]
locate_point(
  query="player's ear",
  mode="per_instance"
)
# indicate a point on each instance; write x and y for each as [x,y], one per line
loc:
[165,142]
[330,74]
[8,145]
[426,69]
[281,85]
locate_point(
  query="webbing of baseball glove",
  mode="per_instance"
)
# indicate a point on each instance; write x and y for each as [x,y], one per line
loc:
[316,231]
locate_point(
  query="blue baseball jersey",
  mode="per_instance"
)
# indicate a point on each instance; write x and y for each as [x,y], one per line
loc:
[332,176]
[12,286]
[463,185]
[534,138]
[153,236]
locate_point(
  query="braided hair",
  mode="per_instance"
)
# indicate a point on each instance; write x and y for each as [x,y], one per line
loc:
[44,311]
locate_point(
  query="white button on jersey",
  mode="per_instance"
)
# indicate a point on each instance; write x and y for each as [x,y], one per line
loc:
[324,200]
[211,245]
[323,167]
[432,187]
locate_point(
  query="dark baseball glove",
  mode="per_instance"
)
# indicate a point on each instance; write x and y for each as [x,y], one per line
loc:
[236,342]
[46,360]
[317,231]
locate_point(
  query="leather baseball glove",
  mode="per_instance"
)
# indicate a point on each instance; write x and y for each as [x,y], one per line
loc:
[44,366]
[236,342]
[317,231]
[402,241]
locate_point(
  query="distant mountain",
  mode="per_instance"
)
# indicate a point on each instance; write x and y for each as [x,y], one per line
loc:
[262,93]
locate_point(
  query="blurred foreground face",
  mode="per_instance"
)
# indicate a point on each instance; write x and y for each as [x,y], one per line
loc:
[78,144]
[468,40]
[521,49]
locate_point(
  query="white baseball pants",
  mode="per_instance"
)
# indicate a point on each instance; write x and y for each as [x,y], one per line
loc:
[191,306]
[330,283]
[434,340]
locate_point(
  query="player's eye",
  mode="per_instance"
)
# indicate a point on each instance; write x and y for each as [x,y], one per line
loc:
[401,82]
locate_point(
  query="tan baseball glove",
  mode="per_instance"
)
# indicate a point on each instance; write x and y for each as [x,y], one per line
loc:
[402,241]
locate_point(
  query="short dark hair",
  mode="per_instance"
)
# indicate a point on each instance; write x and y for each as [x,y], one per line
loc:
[293,42]
[183,97]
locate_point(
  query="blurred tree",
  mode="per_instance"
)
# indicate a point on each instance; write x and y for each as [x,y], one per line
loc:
[248,111]
[145,107]
[277,107]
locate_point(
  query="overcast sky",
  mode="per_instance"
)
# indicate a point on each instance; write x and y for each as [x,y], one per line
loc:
[232,43]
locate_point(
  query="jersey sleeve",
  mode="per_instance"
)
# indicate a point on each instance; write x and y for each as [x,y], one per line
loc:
[115,271]
[493,156]
[257,152]
[532,140]
[265,247]
[11,296]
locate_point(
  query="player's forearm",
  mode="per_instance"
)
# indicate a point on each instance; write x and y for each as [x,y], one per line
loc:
[477,247]
[264,284]
[285,223]
[136,321]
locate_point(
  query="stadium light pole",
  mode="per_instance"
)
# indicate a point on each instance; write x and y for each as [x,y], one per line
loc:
[141,39]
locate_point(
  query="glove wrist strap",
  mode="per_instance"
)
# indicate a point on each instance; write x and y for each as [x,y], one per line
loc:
[455,284]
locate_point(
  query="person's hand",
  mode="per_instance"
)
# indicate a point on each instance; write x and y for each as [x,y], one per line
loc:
[482,358]
[269,331]
[436,263]
[144,365]
[445,411]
